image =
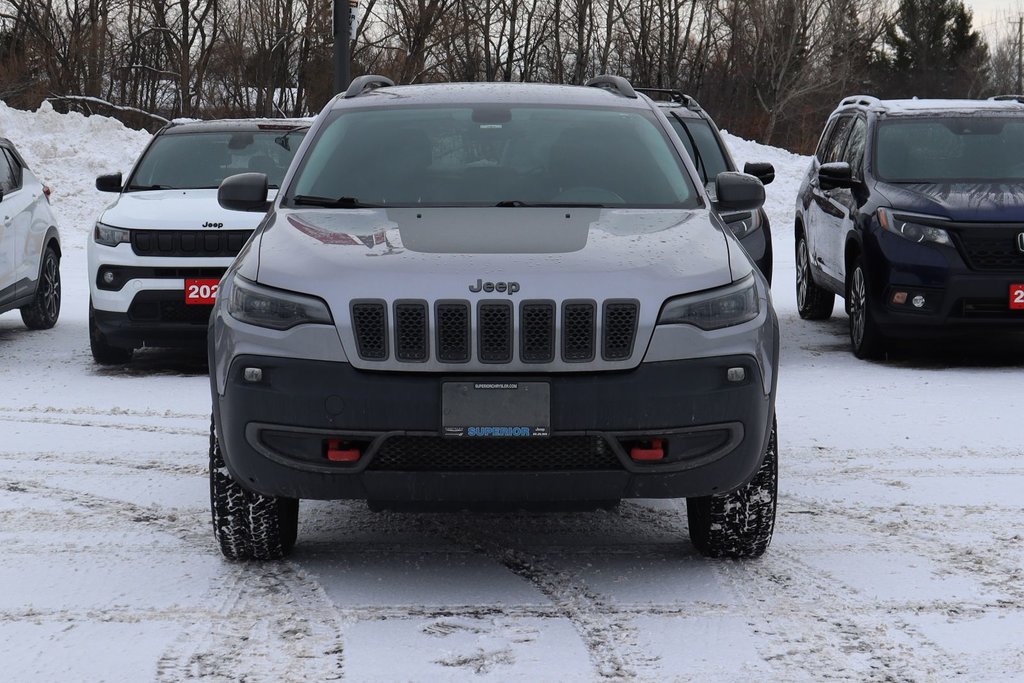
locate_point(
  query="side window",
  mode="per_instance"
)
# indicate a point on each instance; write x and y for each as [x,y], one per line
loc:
[7,176]
[823,142]
[834,148]
[854,154]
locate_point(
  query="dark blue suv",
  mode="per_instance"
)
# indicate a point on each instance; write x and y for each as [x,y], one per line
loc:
[913,211]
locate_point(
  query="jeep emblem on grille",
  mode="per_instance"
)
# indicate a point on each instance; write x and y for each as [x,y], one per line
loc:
[508,287]
[1020,243]
[213,225]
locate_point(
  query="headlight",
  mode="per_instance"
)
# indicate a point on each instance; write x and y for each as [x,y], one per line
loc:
[274,308]
[904,225]
[714,309]
[742,224]
[110,236]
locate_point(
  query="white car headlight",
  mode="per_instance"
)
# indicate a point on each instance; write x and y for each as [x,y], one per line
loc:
[274,308]
[110,236]
[716,308]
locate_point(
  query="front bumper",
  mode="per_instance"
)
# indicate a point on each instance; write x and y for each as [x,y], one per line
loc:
[956,298]
[273,433]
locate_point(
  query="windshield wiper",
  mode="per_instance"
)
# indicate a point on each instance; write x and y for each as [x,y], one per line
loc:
[151,187]
[332,203]
[510,203]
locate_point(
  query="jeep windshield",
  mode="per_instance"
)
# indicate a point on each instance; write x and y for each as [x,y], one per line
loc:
[951,149]
[489,155]
[189,161]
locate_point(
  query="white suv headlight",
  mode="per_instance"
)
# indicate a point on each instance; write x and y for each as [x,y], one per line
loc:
[274,308]
[716,308]
[110,236]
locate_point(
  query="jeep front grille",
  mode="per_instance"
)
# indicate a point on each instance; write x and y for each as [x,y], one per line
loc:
[438,454]
[495,332]
[186,243]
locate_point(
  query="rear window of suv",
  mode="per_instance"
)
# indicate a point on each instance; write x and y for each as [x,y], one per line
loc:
[489,154]
[188,161]
[950,149]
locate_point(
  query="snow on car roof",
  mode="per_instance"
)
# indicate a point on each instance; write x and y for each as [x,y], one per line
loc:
[922,106]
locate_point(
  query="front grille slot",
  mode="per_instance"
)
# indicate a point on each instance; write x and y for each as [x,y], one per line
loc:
[452,332]
[167,307]
[369,322]
[495,329]
[537,325]
[619,329]
[411,331]
[578,331]
[187,243]
[438,454]
[991,248]
[992,309]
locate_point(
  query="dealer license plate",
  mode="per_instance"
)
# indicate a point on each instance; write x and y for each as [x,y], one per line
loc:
[495,409]
[1017,297]
[201,291]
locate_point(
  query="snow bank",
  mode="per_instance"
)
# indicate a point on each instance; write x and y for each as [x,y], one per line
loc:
[67,152]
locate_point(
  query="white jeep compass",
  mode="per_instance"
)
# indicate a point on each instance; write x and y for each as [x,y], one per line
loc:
[158,252]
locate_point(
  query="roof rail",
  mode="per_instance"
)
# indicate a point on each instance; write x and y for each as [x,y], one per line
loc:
[365,83]
[617,83]
[866,100]
[675,96]
[1008,98]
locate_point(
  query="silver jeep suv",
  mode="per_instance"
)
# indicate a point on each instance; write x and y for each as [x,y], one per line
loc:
[492,292]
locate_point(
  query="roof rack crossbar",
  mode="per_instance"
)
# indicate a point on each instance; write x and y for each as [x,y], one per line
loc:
[366,83]
[616,83]
[675,96]
[866,100]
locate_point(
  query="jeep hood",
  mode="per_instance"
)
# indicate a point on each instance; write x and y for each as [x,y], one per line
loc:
[981,202]
[439,253]
[175,210]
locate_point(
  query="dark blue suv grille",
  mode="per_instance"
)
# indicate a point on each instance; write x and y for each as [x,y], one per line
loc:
[991,248]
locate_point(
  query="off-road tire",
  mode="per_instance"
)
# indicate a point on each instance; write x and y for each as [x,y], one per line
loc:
[812,302]
[102,352]
[248,525]
[738,524]
[865,339]
[44,310]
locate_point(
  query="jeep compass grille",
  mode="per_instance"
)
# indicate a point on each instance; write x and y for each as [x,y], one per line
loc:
[185,243]
[543,331]
[991,248]
[369,321]
[437,454]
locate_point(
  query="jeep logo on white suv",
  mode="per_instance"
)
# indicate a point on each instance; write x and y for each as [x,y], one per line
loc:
[510,287]
[213,225]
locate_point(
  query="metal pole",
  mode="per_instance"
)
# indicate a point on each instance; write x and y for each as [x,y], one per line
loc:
[1020,55]
[342,59]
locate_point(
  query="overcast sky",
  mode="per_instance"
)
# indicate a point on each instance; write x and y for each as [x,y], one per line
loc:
[993,17]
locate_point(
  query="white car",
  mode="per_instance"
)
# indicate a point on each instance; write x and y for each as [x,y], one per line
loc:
[158,252]
[29,244]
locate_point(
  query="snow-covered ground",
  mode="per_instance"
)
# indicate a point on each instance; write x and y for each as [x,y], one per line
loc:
[898,553]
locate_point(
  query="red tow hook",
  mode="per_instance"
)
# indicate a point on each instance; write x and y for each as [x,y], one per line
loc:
[655,452]
[339,451]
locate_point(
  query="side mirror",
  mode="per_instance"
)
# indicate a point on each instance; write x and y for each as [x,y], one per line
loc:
[738,192]
[762,170]
[835,174]
[109,183]
[244,192]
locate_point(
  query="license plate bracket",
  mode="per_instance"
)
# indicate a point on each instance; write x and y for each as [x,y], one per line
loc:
[495,409]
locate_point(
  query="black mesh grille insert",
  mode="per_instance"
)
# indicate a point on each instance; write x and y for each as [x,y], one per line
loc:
[167,307]
[208,243]
[411,331]
[537,324]
[578,332]
[619,329]
[452,332]
[437,454]
[994,248]
[369,323]
[495,332]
